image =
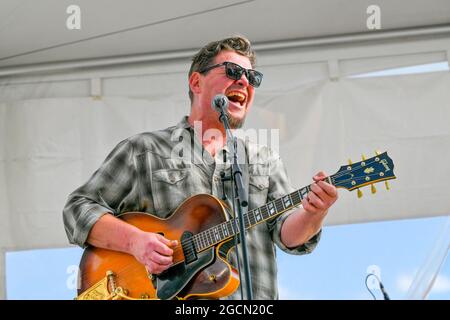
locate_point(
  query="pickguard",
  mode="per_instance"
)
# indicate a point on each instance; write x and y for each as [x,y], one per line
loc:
[174,279]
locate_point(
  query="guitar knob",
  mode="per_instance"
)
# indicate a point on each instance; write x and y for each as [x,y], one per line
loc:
[212,277]
[360,194]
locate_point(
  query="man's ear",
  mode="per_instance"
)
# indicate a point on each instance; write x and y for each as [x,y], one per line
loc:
[194,82]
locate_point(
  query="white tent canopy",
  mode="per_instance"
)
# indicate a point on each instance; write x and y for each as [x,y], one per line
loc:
[63,107]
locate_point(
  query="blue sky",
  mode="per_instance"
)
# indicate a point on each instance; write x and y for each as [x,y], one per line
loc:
[335,270]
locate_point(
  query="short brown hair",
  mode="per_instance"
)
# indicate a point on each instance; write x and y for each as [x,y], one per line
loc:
[206,55]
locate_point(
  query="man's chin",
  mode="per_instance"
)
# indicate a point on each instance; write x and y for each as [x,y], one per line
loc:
[235,122]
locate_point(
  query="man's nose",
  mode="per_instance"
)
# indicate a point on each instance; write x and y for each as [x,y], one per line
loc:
[243,81]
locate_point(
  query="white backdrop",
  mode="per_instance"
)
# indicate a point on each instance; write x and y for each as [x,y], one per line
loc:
[51,146]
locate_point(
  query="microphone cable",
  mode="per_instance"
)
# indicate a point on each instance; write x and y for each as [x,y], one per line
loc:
[385,295]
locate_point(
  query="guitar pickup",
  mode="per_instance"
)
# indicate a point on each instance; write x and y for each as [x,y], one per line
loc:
[189,250]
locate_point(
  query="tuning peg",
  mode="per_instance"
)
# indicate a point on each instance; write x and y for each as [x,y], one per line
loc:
[387,185]
[350,161]
[377,152]
[360,194]
[363,157]
[373,189]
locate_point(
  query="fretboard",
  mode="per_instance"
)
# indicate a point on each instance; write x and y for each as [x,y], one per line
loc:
[230,228]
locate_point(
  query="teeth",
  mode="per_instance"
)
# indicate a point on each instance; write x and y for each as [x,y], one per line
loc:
[236,96]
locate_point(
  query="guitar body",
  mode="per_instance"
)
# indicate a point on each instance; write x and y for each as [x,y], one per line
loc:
[210,276]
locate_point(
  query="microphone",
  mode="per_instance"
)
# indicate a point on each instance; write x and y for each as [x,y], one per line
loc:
[220,103]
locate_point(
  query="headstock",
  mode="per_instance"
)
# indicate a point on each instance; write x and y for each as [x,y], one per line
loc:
[368,171]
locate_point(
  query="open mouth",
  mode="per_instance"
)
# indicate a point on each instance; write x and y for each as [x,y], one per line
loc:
[237,97]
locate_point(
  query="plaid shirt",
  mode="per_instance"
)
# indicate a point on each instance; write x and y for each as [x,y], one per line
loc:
[154,172]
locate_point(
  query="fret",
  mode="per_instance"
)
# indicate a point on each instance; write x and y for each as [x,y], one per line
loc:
[219,229]
[252,217]
[248,219]
[200,246]
[199,240]
[258,215]
[292,200]
[264,211]
[230,227]
[206,235]
[287,201]
[279,205]
[233,226]
[303,192]
[295,196]
[271,208]
[216,234]
[225,230]
[249,215]
[210,237]
[204,240]
[194,240]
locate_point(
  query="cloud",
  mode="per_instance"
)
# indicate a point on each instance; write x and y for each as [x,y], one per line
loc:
[404,282]
[441,285]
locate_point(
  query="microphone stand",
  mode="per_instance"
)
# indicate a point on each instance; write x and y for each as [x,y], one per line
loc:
[240,200]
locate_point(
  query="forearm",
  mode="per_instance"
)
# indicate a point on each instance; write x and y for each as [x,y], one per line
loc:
[300,226]
[112,233]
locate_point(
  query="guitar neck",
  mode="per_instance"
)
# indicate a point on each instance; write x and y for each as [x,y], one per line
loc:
[230,228]
[351,177]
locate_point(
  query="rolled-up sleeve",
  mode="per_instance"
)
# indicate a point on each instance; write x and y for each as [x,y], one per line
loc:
[100,195]
[280,185]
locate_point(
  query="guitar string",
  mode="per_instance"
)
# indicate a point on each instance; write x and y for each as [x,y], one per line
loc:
[367,163]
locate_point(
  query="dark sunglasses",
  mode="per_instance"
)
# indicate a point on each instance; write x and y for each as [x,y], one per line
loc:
[235,71]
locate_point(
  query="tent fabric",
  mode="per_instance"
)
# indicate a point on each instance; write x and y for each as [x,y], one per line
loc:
[51,146]
[301,65]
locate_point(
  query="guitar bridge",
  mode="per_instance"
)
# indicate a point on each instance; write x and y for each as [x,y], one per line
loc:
[189,250]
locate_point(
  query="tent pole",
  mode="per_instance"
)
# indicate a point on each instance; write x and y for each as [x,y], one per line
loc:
[2,274]
[427,274]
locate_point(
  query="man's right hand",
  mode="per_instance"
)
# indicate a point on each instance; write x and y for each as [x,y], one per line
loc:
[153,250]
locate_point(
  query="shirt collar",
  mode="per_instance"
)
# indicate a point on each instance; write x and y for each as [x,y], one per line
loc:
[184,123]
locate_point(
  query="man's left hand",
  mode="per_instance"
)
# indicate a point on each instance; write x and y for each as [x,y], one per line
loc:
[321,197]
